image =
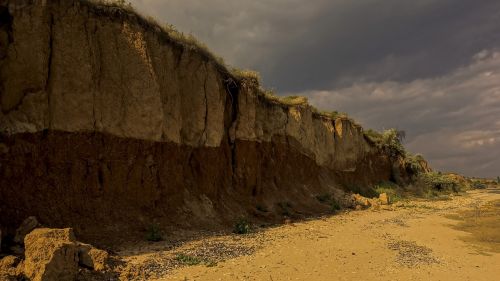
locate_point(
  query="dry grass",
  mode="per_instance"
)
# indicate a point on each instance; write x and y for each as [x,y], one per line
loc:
[122,9]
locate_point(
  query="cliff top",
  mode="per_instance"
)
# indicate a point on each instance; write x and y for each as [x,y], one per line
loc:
[123,10]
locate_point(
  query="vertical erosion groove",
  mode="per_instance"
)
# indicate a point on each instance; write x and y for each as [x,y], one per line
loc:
[6,38]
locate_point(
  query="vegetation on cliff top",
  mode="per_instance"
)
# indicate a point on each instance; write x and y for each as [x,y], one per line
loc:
[389,140]
[188,41]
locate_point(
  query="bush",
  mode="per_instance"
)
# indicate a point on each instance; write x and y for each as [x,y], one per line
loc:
[187,260]
[478,185]
[393,191]
[329,200]
[413,164]
[368,192]
[390,141]
[435,184]
[335,206]
[241,226]
[154,233]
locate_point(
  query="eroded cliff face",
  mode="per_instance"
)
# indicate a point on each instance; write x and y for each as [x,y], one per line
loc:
[107,124]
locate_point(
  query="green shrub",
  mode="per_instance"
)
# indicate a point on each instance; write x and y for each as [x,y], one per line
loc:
[242,226]
[393,191]
[365,191]
[154,233]
[390,141]
[335,206]
[478,185]
[329,200]
[187,260]
[437,184]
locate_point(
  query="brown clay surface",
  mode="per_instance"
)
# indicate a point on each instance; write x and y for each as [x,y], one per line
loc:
[412,240]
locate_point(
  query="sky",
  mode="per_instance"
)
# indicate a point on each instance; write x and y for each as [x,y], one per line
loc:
[429,67]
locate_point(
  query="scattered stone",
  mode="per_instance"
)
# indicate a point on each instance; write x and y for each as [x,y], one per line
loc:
[384,199]
[26,227]
[361,201]
[92,258]
[9,268]
[51,255]
[8,262]
[410,254]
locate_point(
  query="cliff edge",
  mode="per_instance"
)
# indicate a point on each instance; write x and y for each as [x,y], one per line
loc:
[109,124]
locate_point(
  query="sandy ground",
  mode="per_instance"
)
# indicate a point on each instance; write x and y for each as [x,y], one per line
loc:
[411,240]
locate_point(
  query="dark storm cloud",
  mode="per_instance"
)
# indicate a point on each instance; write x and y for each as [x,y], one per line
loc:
[299,45]
[427,66]
[454,120]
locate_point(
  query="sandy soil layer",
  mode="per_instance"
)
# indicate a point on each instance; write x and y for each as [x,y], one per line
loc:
[412,240]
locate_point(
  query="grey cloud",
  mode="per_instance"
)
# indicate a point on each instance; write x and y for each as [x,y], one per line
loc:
[414,65]
[454,120]
[319,44]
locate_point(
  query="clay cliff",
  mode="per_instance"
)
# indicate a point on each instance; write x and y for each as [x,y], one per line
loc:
[108,124]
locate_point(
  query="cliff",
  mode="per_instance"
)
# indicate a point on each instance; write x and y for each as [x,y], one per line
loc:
[109,124]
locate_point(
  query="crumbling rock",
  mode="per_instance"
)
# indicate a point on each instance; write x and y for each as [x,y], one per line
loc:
[51,255]
[92,258]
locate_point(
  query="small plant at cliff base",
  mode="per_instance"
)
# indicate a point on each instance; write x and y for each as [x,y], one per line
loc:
[329,200]
[187,260]
[393,191]
[154,233]
[364,191]
[241,226]
[335,206]
[498,179]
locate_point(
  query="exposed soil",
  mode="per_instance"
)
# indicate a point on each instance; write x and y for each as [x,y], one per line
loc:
[110,190]
[410,240]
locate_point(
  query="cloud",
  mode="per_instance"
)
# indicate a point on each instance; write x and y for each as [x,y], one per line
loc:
[425,66]
[454,120]
[318,44]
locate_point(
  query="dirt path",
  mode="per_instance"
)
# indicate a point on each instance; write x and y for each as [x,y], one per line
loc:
[414,240]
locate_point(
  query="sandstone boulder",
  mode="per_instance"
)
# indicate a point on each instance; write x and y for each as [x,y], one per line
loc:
[361,201]
[92,258]
[384,199]
[9,268]
[51,255]
[26,227]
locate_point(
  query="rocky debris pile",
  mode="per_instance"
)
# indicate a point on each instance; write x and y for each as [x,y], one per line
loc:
[45,254]
[206,252]
[359,202]
[410,254]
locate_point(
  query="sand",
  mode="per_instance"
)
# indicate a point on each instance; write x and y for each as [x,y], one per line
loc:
[411,240]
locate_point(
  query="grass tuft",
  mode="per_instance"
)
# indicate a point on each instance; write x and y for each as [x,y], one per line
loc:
[188,260]
[242,226]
